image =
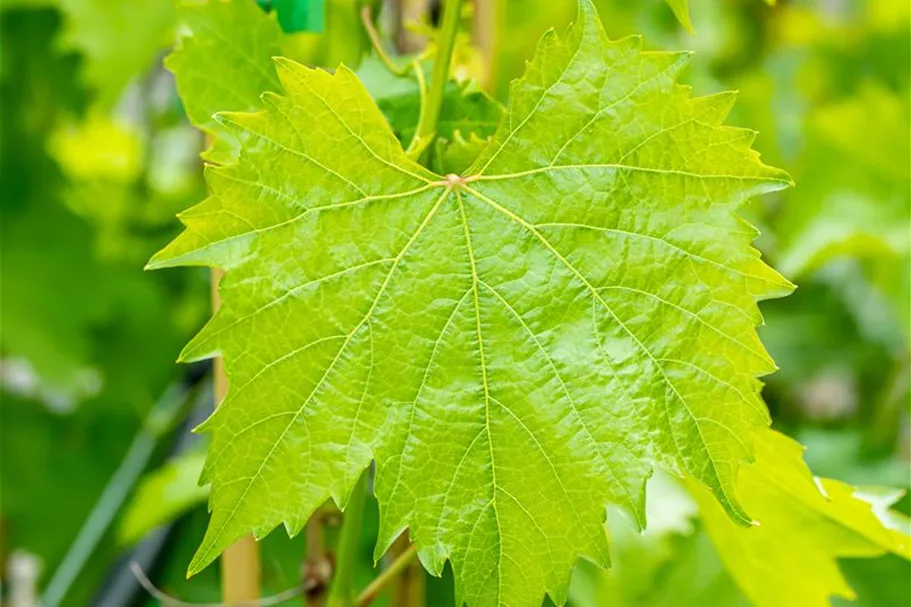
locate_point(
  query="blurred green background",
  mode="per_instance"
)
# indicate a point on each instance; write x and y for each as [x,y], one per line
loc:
[98,156]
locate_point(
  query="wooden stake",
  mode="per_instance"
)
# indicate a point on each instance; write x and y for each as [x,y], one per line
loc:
[240,568]
[407,11]
[488,17]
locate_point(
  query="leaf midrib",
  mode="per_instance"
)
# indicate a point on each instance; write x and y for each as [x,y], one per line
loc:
[475,284]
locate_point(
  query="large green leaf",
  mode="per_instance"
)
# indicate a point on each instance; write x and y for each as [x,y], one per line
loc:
[805,524]
[224,62]
[515,347]
[787,559]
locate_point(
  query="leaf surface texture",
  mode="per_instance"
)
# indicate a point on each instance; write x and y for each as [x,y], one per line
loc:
[517,347]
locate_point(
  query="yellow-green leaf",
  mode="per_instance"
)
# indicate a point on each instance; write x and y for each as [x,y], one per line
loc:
[804,525]
[224,62]
[162,496]
[515,347]
[681,10]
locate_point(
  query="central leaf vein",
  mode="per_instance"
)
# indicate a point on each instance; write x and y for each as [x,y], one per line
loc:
[477,308]
[572,403]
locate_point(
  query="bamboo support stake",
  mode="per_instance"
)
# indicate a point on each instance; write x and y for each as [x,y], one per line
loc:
[240,567]
[406,11]
[317,568]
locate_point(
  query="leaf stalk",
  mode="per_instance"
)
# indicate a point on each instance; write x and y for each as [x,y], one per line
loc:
[389,574]
[377,43]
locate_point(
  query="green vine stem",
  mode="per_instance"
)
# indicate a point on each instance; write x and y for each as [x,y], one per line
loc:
[379,584]
[377,43]
[433,104]
[341,594]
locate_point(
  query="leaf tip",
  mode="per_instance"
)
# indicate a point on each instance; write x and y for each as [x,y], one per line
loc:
[281,61]
[586,7]
[184,356]
[201,560]
[157,262]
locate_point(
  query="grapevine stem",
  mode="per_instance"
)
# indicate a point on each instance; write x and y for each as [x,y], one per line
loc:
[417,146]
[388,575]
[433,105]
[341,594]
[367,18]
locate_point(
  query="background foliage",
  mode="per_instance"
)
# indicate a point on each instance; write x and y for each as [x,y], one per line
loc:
[98,154]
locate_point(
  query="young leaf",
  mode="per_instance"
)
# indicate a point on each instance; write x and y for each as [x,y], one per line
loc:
[468,116]
[515,347]
[805,524]
[466,108]
[224,61]
[457,154]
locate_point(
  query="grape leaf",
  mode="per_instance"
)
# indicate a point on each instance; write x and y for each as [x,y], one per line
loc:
[223,61]
[862,210]
[118,39]
[162,496]
[804,525]
[515,347]
[681,10]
